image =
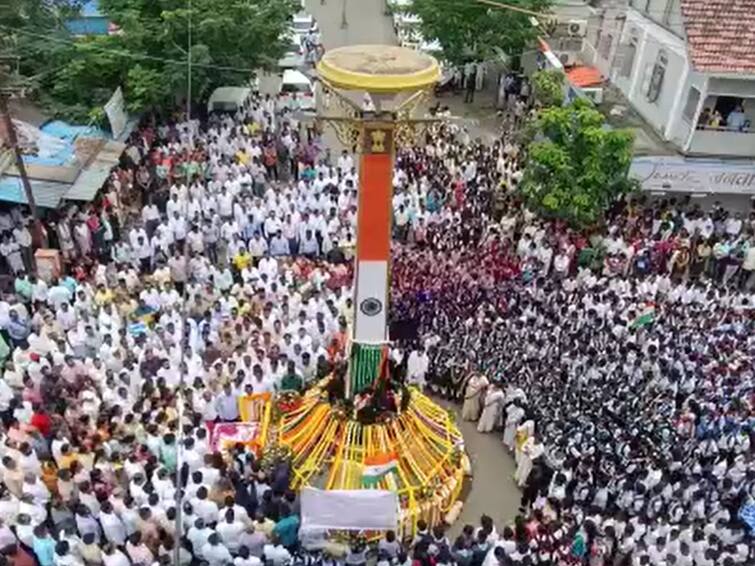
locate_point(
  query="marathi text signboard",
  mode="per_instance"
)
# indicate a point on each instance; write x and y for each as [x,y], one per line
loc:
[676,174]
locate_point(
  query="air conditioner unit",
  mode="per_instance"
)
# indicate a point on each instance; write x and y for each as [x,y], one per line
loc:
[594,94]
[570,43]
[567,59]
[577,28]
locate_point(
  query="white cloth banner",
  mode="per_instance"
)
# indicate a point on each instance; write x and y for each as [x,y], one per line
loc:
[353,510]
[115,109]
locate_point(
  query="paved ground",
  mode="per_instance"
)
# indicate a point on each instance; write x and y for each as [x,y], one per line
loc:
[492,490]
[367,23]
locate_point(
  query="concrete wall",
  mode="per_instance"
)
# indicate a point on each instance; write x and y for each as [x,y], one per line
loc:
[607,19]
[722,143]
[656,26]
[680,126]
[665,13]
[742,88]
[658,112]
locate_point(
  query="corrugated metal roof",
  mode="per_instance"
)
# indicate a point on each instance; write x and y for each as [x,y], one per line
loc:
[91,179]
[46,194]
[51,183]
[87,184]
[109,155]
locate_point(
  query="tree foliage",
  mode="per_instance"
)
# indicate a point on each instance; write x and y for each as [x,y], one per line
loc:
[576,167]
[548,87]
[469,30]
[148,57]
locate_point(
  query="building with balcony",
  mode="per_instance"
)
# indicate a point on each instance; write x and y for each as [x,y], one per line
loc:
[686,66]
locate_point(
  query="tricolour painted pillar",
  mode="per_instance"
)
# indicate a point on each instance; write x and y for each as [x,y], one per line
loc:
[374,221]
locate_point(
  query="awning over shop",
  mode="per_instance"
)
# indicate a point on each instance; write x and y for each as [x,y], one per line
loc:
[47,194]
[92,177]
[63,162]
[87,184]
[64,183]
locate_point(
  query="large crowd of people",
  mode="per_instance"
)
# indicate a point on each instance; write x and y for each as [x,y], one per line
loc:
[617,363]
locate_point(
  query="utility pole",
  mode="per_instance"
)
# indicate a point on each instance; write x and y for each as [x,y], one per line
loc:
[10,132]
[178,524]
[344,22]
[13,143]
[188,78]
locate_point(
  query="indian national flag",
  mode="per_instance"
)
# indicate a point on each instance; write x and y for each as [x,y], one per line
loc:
[377,466]
[646,316]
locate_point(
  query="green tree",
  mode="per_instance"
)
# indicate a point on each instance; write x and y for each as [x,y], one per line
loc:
[148,57]
[576,166]
[469,30]
[33,31]
[548,87]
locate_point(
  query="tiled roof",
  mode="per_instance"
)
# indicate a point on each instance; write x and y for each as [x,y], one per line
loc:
[583,77]
[720,34]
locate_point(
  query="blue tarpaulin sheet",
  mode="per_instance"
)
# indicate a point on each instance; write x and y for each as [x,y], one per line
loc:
[57,146]
[46,193]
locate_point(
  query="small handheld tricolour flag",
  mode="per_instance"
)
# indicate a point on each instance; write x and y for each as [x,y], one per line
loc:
[377,466]
[646,316]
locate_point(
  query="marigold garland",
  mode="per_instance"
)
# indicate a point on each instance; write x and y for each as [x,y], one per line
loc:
[325,441]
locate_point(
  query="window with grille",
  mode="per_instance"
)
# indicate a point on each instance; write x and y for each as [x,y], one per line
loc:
[655,85]
[605,45]
[630,51]
[690,108]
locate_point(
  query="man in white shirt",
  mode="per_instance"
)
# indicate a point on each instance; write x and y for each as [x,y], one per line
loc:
[417,366]
[195,240]
[112,526]
[66,317]
[345,162]
[38,289]
[214,552]
[257,246]
[225,204]
[229,230]
[230,531]
[734,225]
[308,246]
[175,206]
[401,222]
[113,557]
[143,254]
[272,225]
[276,554]
[198,535]
[179,229]
[150,218]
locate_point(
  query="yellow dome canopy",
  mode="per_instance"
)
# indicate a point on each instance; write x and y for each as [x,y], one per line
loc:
[378,68]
